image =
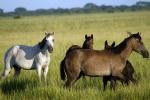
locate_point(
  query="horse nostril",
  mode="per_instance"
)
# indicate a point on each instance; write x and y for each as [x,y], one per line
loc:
[50,49]
[145,54]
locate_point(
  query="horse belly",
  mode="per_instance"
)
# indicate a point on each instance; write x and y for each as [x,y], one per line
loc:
[25,64]
[97,70]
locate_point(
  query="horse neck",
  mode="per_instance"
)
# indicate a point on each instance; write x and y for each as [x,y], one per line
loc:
[85,46]
[36,48]
[127,51]
[43,50]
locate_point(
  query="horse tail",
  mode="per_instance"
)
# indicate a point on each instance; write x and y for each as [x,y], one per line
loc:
[62,70]
[62,64]
[7,60]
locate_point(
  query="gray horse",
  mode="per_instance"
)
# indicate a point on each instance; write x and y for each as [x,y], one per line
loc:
[29,57]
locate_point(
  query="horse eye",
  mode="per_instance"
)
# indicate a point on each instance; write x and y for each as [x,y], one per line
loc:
[137,40]
[53,40]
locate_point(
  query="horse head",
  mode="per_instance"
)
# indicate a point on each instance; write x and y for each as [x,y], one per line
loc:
[47,42]
[138,45]
[109,47]
[88,43]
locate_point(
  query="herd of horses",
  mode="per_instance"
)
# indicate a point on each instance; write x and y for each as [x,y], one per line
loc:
[111,63]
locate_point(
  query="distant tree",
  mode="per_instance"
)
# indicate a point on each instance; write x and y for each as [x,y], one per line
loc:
[103,7]
[20,11]
[143,3]
[51,11]
[90,6]
[76,10]
[122,8]
[60,11]
[87,8]
[1,12]
[40,11]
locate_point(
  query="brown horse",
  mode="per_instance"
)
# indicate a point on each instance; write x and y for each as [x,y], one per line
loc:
[88,44]
[102,62]
[128,71]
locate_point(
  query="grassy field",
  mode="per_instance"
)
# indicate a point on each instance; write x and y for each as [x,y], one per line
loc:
[70,29]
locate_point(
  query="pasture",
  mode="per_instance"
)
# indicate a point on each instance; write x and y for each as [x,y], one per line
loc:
[69,30]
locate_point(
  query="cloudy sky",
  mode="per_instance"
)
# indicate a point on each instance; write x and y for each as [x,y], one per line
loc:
[10,5]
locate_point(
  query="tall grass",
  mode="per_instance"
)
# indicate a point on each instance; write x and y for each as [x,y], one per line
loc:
[70,29]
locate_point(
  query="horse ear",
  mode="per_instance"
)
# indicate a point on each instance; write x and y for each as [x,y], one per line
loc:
[92,36]
[86,36]
[139,33]
[106,44]
[129,33]
[52,33]
[46,33]
[113,44]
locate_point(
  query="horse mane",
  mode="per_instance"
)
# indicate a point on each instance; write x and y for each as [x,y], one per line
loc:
[85,46]
[120,47]
[42,43]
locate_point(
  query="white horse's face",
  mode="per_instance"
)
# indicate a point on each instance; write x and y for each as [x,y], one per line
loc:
[50,41]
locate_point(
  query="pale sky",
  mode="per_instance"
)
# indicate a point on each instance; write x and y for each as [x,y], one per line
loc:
[10,5]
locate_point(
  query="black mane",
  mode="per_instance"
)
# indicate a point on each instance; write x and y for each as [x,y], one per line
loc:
[86,44]
[42,43]
[119,48]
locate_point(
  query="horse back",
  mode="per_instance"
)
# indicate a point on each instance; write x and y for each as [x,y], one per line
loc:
[12,51]
[73,47]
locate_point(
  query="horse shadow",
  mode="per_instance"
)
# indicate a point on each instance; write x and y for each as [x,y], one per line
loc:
[19,86]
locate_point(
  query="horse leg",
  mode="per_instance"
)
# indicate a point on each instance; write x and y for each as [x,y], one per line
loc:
[17,71]
[122,82]
[83,77]
[120,76]
[134,81]
[129,78]
[70,81]
[72,78]
[6,71]
[113,83]
[126,82]
[39,68]
[45,71]
[105,80]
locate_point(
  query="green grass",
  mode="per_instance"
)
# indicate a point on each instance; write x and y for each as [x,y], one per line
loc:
[70,29]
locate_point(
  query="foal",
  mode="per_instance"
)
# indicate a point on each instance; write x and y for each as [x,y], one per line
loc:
[87,44]
[127,71]
[29,57]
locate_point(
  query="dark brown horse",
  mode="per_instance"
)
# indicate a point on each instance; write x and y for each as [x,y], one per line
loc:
[88,44]
[128,71]
[102,62]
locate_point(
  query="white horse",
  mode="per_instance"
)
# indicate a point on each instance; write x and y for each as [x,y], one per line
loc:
[29,57]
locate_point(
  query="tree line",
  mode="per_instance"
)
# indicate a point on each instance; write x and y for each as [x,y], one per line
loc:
[87,8]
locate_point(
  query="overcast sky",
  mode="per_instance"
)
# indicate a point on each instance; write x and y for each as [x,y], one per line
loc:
[10,5]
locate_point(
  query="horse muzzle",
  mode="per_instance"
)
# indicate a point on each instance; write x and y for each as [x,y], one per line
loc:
[145,54]
[50,49]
